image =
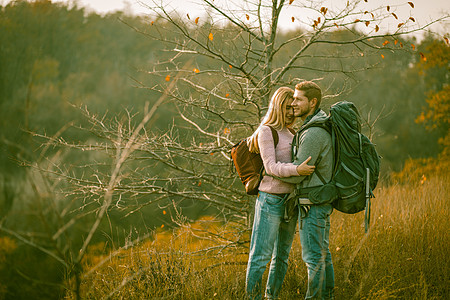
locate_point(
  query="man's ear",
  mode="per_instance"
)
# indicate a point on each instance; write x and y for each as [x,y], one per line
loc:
[313,102]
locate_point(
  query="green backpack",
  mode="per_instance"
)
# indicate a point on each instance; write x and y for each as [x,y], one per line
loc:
[356,163]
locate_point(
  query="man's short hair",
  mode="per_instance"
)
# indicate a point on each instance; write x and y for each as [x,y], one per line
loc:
[311,90]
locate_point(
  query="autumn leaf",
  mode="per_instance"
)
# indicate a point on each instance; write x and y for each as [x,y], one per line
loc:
[377,28]
[382,56]
[230,66]
[357,20]
[164,212]
[400,25]
[413,46]
[401,45]
[227,95]
[422,56]
[293,19]
[196,20]
[196,70]
[367,23]
[188,16]
[323,10]
[226,130]
[168,78]
[152,23]
[162,226]
[290,1]
[200,183]
[412,19]
[335,24]
[395,42]
[211,37]
[388,8]
[247,16]
[395,16]
[412,4]
[386,42]
[446,40]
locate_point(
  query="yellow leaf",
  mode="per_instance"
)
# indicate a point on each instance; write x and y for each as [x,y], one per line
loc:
[196,70]
[196,20]
[211,37]
[168,78]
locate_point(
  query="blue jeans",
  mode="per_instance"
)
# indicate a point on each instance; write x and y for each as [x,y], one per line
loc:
[314,238]
[271,239]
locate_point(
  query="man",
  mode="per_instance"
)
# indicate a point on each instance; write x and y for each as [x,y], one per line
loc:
[314,220]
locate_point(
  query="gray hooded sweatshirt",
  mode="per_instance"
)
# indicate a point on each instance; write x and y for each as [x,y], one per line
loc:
[314,142]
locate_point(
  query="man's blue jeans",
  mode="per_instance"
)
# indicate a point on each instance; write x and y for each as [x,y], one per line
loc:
[314,238]
[271,238]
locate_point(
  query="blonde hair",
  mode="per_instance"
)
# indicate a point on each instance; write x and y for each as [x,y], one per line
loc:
[275,116]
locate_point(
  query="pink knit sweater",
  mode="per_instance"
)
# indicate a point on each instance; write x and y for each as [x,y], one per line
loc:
[277,161]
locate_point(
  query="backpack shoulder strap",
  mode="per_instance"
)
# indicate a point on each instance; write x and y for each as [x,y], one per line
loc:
[292,130]
[274,136]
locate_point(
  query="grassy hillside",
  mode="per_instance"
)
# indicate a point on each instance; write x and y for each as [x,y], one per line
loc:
[404,256]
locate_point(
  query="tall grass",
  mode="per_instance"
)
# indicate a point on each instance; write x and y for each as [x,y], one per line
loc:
[404,256]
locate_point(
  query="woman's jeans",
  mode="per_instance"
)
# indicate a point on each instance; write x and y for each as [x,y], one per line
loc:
[271,238]
[314,237]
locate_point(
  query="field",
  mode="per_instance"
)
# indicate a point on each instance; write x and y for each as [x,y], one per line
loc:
[404,256]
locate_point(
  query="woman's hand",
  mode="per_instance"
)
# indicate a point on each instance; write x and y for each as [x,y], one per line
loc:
[304,169]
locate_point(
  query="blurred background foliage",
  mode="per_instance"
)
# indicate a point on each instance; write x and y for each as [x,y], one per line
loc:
[55,57]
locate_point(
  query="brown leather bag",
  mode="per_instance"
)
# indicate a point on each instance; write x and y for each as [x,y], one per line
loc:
[249,166]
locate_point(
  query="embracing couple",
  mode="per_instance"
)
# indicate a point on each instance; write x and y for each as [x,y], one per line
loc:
[288,168]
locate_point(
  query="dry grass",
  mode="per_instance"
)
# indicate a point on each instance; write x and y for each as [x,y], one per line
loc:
[404,256]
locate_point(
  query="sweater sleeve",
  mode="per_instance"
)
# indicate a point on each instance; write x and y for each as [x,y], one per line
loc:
[276,161]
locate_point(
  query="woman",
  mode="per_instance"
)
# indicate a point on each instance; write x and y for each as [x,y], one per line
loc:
[271,236]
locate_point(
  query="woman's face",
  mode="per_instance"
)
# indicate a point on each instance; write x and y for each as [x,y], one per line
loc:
[289,116]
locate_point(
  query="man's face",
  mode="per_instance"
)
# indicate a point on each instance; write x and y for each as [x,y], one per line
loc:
[302,106]
[289,114]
